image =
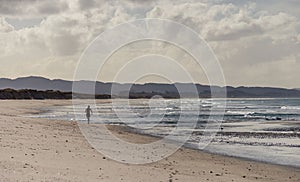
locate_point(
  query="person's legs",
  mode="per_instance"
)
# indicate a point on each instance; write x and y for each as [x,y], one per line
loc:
[88,118]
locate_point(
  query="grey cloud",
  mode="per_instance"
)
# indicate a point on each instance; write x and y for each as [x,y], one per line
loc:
[50,7]
[271,6]
[229,32]
[260,50]
[142,1]
[69,46]
[8,7]
[19,8]
[85,4]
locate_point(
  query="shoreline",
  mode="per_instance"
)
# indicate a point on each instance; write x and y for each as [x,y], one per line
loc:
[186,145]
[54,150]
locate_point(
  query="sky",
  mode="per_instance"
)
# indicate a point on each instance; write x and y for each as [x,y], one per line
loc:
[256,42]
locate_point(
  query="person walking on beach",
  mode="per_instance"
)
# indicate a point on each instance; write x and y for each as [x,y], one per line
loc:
[88,112]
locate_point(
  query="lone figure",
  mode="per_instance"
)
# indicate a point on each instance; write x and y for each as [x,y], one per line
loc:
[88,112]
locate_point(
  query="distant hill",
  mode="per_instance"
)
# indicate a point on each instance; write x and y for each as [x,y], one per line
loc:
[36,83]
[146,90]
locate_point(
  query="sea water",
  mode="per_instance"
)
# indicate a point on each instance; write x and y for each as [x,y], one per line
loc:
[266,130]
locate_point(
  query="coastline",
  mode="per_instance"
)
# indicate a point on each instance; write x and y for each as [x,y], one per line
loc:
[42,149]
[187,146]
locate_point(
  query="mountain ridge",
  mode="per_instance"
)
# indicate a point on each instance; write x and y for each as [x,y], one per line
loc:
[146,89]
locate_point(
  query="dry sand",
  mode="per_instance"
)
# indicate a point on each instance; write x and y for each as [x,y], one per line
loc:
[49,150]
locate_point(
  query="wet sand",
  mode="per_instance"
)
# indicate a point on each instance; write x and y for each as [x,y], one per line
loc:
[35,149]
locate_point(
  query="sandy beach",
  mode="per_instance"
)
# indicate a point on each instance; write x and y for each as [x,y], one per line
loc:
[34,149]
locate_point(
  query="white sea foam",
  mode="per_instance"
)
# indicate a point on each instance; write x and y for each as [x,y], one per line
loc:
[290,107]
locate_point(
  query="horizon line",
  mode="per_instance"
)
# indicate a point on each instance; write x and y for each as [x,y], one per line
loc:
[109,82]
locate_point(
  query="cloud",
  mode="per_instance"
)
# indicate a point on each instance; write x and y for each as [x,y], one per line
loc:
[253,40]
[155,13]
[4,26]
[217,22]
[86,4]
[249,42]
[142,2]
[32,8]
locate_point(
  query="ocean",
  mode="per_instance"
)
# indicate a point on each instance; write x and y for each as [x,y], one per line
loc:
[266,130]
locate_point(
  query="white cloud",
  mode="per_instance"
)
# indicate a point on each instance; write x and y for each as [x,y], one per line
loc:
[4,26]
[249,43]
[250,39]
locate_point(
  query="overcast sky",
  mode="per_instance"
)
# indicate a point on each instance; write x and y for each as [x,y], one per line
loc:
[257,42]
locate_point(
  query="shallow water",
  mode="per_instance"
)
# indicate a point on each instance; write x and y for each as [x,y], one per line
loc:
[265,130]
